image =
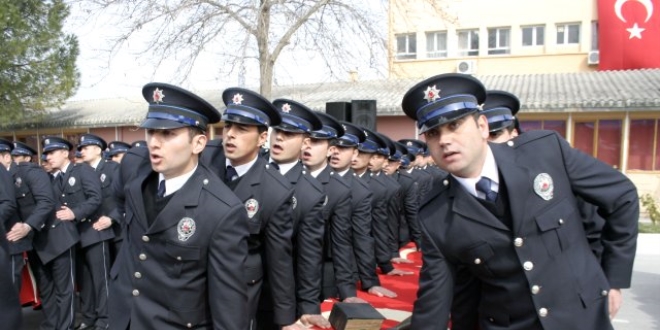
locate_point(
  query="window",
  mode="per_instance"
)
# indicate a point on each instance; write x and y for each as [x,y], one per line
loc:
[499,41]
[601,139]
[644,152]
[558,126]
[568,34]
[594,35]
[436,44]
[406,46]
[468,43]
[533,35]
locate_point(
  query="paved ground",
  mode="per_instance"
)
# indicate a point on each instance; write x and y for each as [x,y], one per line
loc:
[641,307]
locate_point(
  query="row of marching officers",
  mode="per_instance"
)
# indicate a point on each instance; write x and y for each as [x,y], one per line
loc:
[192,233]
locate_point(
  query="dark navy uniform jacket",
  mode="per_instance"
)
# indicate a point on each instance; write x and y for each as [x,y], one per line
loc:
[81,192]
[163,281]
[541,272]
[34,199]
[10,307]
[106,171]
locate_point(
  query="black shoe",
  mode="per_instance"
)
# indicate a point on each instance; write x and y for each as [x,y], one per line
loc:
[83,326]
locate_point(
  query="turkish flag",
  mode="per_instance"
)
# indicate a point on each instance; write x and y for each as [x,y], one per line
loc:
[628,34]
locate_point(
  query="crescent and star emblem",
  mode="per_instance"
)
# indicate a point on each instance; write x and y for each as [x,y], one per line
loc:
[635,31]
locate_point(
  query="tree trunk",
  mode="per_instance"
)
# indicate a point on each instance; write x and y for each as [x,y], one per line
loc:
[266,63]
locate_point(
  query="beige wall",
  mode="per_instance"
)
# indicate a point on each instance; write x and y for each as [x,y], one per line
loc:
[419,17]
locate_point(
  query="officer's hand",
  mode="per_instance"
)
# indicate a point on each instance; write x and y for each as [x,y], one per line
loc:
[355,300]
[103,222]
[401,261]
[315,320]
[616,300]
[399,272]
[18,231]
[65,214]
[380,291]
[294,326]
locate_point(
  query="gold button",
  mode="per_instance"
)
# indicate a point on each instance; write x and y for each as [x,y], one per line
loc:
[543,312]
[518,242]
[138,275]
[145,238]
[536,289]
[136,293]
[528,265]
[143,256]
[477,261]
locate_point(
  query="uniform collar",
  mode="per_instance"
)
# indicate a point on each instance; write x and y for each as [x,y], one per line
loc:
[242,169]
[317,172]
[284,168]
[174,184]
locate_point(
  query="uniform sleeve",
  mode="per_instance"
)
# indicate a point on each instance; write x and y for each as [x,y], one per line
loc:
[434,296]
[309,255]
[279,261]
[227,286]
[363,243]
[410,209]
[109,204]
[381,232]
[40,186]
[92,190]
[7,197]
[342,247]
[618,203]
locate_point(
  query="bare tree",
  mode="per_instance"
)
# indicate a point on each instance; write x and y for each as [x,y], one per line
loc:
[242,33]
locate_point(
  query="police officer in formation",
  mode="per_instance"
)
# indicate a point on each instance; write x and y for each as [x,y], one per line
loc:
[10,308]
[182,262]
[514,206]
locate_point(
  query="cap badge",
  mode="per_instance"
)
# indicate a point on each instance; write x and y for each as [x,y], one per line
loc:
[186,228]
[344,127]
[286,107]
[252,207]
[409,144]
[47,141]
[158,95]
[137,144]
[294,202]
[365,133]
[72,181]
[237,99]
[543,186]
[431,94]
[82,138]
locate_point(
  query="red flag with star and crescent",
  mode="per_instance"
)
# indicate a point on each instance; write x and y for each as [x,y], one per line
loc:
[628,34]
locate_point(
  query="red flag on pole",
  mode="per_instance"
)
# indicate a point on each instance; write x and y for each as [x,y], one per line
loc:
[628,34]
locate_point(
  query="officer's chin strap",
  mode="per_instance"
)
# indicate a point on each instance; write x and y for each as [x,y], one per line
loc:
[404,325]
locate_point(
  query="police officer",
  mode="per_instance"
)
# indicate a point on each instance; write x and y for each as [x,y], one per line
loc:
[359,234]
[117,150]
[181,265]
[500,109]
[267,198]
[77,195]
[514,207]
[286,142]
[35,203]
[95,237]
[10,307]
[336,214]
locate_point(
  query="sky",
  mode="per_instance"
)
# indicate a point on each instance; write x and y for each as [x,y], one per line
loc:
[123,73]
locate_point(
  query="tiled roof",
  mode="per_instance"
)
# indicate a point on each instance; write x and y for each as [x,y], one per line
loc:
[561,92]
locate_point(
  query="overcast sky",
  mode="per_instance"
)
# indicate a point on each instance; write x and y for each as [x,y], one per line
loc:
[124,73]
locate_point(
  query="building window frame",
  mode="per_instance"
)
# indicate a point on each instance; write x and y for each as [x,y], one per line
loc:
[436,48]
[537,32]
[471,42]
[407,50]
[568,33]
[499,41]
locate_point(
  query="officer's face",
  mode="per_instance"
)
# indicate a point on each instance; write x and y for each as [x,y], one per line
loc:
[242,142]
[21,159]
[391,167]
[5,159]
[118,157]
[315,153]
[459,147]
[285,147]
[377,162]
[502,135]
[90,153]
[361,162]
[173,152]
[341,158]
[57,159]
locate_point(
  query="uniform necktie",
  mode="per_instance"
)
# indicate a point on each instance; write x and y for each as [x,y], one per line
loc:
[484,186]
[230,174]
[161,189]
